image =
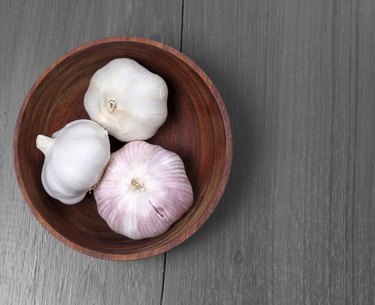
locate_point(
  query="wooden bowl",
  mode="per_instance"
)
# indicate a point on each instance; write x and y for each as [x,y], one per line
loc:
[197,128]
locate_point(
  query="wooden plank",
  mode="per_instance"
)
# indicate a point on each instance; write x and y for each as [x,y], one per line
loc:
[34,267]
[364,195]
[285,231]
[344,76]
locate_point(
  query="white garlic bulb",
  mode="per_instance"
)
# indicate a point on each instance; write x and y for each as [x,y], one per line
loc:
[127,99]
[75,159]
[144,190]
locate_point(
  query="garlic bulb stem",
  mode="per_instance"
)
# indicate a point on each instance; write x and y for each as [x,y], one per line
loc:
[112,104]
[44,143]
[137,184]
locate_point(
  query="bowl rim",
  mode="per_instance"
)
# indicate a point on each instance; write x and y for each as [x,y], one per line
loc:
[214,202]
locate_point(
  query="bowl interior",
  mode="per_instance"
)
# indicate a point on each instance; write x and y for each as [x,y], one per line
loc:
[195,129]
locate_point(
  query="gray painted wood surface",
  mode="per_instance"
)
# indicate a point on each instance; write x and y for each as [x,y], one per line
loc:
[297,222]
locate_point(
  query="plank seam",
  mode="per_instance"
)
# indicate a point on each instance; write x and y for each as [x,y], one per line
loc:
[165,254]
[182,24]
[163,280]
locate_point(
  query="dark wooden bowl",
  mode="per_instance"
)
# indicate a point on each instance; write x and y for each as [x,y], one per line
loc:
[197,129]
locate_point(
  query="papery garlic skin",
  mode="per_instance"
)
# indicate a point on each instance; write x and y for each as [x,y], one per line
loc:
[75,159]
[144,190]
[127,99]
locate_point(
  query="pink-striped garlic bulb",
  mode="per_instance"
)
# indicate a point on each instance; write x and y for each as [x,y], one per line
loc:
[144,190]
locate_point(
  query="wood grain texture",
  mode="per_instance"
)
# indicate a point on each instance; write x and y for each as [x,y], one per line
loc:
[34,267]
[296,222]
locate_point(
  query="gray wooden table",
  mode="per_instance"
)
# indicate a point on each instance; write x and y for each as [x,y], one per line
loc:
[297,222]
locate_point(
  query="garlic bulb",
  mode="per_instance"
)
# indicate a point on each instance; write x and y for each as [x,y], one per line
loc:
[75,158]
[127,99]
[144,190]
